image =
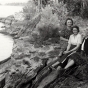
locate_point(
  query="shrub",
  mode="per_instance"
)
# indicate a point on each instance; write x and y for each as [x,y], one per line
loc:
[77,7]
[60,9]
[29,10]
[44,2]
[46,23]
[48,26]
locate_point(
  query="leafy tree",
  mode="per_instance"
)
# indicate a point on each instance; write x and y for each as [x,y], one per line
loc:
[43,2]
[77,7]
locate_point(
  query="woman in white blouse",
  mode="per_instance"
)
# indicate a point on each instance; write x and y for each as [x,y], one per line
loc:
[74,44]
[74,40]
[71,55]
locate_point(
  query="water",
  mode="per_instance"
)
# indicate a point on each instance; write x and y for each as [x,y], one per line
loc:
[6,45]
[9,10]
[6,42]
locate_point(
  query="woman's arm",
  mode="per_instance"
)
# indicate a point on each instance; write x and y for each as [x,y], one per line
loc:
[74,49]
[68,47]
[64,39]
[79,42]
[67,50]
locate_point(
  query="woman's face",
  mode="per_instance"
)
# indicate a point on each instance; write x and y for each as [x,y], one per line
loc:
[75,31]
[69,23]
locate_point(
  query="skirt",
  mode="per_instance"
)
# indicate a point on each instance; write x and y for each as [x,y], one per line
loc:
[74,56]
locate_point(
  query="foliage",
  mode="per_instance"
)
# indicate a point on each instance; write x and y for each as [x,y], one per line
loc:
[37,28]
[60,9]
[77,7]
[51,17]
[48,24]
[44,2]
[29,10]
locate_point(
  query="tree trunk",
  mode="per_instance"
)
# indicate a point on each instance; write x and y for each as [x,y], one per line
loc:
[39,4]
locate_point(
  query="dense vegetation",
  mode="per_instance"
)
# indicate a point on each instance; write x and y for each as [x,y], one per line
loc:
[36,40]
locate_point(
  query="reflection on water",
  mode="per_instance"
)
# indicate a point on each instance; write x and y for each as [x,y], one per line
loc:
[9,10]
[6,45]
[6,42]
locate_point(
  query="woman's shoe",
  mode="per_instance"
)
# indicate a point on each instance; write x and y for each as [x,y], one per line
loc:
[52,68]
[61,71]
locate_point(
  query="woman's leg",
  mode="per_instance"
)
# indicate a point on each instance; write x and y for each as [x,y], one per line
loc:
[55,63]
[60,54]
[69,64]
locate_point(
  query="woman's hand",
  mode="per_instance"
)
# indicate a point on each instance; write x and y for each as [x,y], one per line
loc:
[65,52]
[64,39]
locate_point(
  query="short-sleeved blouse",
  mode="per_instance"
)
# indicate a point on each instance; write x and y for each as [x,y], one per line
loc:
[74,40]
[65,32]
[75,56]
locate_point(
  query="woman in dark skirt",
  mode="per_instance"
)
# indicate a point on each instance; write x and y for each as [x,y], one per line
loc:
[65,34]
[71,55]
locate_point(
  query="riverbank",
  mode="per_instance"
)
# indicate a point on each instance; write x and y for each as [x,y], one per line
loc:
[6,46]
[35,48]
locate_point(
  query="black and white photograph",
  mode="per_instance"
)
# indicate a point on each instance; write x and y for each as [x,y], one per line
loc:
[43,43]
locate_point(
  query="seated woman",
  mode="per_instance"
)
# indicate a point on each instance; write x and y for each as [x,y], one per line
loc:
[71,55]
[65,34]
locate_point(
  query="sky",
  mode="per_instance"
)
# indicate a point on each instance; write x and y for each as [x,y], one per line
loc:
[11,1]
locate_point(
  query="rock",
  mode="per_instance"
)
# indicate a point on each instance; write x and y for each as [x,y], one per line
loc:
[31,54]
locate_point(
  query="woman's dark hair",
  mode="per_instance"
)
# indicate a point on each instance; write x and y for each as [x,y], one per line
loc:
[76,28]
[67,20]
